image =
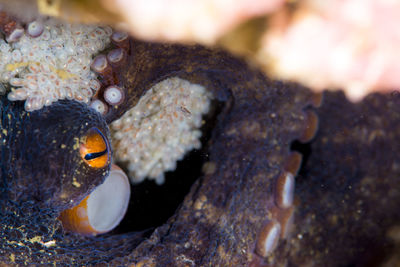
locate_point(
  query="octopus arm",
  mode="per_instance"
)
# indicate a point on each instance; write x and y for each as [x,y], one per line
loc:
[228,209]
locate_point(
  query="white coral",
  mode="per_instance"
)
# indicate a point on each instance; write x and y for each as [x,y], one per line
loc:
[161,128]
[53,66]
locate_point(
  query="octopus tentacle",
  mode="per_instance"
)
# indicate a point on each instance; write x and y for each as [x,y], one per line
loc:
[12,29]
[348,219]
[107,67]
[226,212]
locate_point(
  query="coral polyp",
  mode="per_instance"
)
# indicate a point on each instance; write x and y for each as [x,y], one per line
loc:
[51,61]
[161,128]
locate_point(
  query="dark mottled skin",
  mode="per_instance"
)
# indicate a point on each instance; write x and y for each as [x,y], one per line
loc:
[248,147]
[28,152]
[42,173]
[349,191]
[220,219]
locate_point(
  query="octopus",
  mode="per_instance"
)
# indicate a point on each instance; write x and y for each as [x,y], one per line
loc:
[288,177]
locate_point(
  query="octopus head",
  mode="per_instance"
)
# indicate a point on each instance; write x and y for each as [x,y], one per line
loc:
[63,154]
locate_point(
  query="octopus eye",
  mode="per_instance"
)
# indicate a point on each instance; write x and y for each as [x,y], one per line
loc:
[95,150]
[103,209]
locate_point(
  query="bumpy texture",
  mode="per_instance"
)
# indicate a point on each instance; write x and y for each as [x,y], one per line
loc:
[228,216]
[360,191]
[157,132]
[53,64]
[221,218]
[31,169]
[349,189]
[262,106]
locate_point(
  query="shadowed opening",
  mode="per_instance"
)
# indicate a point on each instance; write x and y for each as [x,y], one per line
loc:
[305,150]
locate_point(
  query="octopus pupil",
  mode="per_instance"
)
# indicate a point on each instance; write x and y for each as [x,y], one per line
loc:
[91,156]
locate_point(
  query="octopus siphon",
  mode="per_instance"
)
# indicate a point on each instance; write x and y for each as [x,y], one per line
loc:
[290,178]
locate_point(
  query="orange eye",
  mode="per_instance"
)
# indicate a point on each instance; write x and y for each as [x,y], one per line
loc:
[94,149]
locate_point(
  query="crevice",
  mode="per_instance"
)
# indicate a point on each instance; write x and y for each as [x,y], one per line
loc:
[151,205]
[305,150]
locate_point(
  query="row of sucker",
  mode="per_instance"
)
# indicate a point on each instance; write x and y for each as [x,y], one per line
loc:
[280,225]
[111,92]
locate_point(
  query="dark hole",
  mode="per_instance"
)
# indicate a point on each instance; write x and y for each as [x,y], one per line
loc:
[151,205]
[305,150]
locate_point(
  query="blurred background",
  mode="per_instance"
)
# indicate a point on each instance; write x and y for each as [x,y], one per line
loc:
[350,45]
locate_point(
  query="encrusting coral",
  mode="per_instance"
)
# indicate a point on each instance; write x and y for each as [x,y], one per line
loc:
[53,64]
[160,128]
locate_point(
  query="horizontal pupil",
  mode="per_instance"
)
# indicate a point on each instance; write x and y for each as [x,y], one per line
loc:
[91,156]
